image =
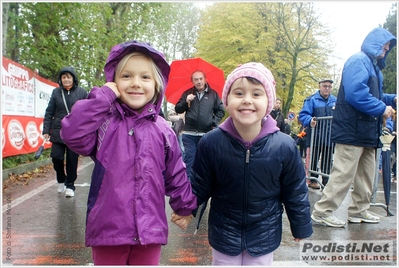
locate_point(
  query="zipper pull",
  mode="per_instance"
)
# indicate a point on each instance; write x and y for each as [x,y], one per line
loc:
[131,132]
[247,157]
[69,92]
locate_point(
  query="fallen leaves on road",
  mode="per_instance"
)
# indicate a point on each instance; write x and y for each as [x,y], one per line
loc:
[25,178]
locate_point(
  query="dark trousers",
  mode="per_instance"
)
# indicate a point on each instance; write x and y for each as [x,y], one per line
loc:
[190,147]
[302,147]
[325,152]
[58,151]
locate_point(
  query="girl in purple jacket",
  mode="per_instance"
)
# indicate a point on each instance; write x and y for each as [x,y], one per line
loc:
[137,159]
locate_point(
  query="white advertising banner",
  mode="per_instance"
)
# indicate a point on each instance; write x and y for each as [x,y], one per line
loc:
[17,89]
[44,88]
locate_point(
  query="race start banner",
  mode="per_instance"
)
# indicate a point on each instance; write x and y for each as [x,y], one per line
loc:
[24,99]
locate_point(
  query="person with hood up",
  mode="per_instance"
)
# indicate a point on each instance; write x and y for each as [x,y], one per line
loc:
[250,170]
[356,128]
[60,104]
[137,159]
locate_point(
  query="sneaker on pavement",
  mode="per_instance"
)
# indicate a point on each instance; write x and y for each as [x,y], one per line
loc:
[364,217]
[331,221]
[61,187]
[69,193]
[314,185]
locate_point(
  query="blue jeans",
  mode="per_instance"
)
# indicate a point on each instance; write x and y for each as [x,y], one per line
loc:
[180,139]
[190,147]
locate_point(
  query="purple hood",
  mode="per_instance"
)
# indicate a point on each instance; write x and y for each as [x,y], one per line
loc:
[119,51]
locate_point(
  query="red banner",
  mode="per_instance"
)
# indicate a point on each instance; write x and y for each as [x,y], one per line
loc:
[21,135]
[24,98]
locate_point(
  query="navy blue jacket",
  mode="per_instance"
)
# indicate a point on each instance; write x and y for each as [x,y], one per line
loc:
[248,185]
[317,106]
[360,102]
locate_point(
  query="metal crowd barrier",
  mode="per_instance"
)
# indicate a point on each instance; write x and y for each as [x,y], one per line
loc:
[321,136]
[320,151]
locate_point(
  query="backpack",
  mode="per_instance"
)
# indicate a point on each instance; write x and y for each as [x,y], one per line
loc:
[177,126]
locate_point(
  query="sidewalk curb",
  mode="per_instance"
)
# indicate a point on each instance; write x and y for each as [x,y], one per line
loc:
[26,167]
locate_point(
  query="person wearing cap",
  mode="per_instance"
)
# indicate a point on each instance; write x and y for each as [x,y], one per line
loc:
[65,160]
[319,104]
[356,130]
[250,169]
[137,159]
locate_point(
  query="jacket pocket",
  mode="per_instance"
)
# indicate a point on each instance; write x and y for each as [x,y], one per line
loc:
[367,125]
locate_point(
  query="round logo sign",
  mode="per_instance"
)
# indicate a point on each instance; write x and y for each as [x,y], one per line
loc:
[16,134]
[291,115]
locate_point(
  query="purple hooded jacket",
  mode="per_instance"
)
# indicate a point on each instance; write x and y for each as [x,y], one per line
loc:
[137,162]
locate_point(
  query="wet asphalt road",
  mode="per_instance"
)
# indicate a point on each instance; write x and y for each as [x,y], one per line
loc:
[42,227]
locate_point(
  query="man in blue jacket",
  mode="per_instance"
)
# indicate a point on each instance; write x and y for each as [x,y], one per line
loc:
[356,128]
[320,104]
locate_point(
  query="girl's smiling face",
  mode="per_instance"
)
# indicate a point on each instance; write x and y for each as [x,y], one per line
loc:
[247,102]
[136,82]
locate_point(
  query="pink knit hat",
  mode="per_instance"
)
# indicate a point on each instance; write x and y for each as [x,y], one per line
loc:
[255,70]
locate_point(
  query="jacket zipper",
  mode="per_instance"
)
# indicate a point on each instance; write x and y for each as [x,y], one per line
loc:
[246,172]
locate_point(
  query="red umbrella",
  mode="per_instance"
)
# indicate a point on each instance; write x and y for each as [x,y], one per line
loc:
[180,77]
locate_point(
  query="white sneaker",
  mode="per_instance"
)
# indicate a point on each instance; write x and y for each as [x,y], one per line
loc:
[331,221]
[61,187]
[69,193]
[364,217]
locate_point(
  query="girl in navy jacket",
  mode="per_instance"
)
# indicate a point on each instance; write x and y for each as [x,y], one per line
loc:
[251,171]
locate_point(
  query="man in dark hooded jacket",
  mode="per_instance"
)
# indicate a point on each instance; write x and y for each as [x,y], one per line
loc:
[356,128]
[61,101]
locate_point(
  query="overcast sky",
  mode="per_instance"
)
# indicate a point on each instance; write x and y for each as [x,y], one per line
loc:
[351,21]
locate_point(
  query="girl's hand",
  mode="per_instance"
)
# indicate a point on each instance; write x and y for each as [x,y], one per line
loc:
[181,221]
[112,85]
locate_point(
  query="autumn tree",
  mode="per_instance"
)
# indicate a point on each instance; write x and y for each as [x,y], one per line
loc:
[390,71]
[11,32]
[286,37]
[229,35]
[173,28]
[299,56]
[47,36]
